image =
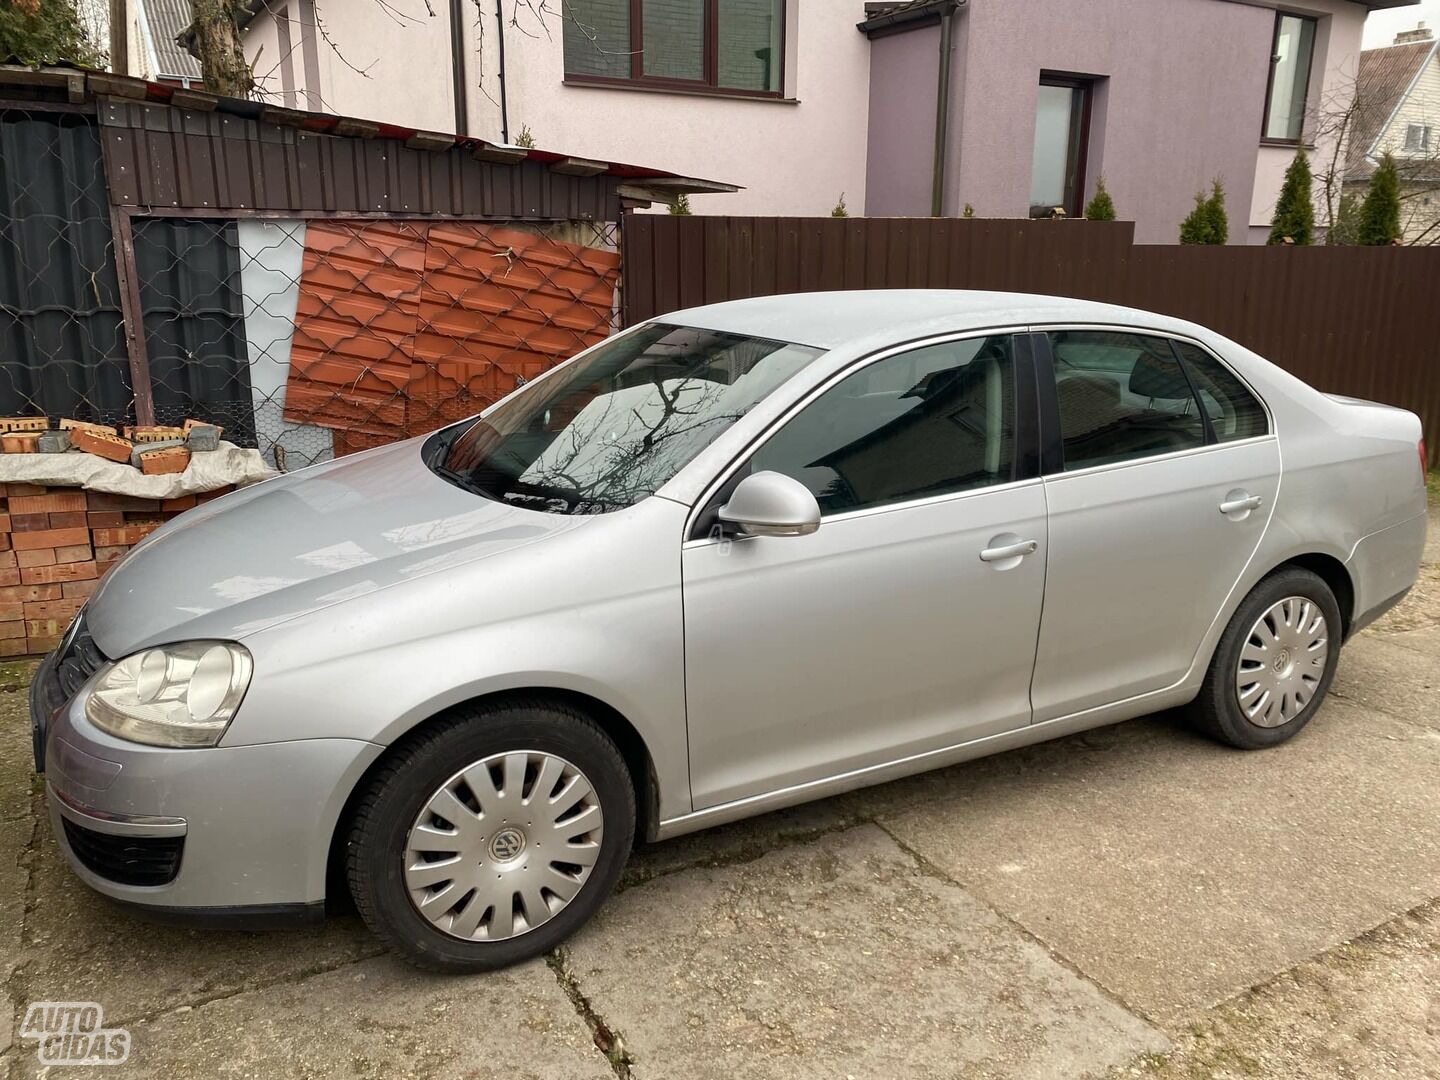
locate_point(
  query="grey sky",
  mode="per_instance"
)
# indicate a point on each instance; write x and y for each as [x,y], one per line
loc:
[1382,26]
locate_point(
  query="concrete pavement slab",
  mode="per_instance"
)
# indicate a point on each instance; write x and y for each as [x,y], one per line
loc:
[1370,1008]
[17,824]
[1423,639]
[17,760]
[375,1019]
[742,840]
[1378,672]
[81,947]
[841,957]
[15,835]
[1419,610]
[1175,871]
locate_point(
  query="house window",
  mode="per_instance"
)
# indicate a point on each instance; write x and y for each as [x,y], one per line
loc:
[723,46]
[1062,130]
[1417,138]
[1290,61]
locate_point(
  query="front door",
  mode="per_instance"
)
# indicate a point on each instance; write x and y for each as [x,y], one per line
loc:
[907,622]
[1169,476]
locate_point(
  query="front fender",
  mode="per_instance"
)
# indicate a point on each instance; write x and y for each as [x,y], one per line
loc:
[595,612]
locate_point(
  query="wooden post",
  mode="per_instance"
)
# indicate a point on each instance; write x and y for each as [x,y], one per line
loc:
[132,315]
[119,37]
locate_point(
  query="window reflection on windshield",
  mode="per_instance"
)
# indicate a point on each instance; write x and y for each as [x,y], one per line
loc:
[613,428]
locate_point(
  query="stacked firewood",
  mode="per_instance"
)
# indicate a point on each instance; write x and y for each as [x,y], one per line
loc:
[152,450]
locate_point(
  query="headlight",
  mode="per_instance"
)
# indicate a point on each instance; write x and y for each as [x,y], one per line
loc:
[173,695]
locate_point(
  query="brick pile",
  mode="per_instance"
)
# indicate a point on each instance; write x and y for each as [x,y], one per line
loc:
[56,543]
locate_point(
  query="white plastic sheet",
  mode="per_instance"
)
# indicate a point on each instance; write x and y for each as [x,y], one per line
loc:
[207,471]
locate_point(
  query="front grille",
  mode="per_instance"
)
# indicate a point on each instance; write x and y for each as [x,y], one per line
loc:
[126,860]
[81,659]
[59,679]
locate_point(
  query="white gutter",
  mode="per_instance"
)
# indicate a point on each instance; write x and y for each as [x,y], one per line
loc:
[148,39]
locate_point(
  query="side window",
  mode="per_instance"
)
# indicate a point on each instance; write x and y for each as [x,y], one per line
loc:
[1122,396]
[1233,410]
[927,422]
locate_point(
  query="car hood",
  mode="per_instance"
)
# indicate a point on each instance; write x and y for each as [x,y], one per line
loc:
[299,543]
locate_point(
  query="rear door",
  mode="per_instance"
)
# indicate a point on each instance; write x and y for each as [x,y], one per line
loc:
[1158,491]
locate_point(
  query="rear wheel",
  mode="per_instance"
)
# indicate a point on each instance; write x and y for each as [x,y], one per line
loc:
[491,836]
[1274,663]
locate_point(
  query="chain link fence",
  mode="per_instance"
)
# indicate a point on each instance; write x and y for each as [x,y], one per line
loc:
[312,338]
[305,337]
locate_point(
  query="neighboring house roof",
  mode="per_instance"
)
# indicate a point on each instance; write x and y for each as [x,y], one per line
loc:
[1385,77]
[166,20]
[883,16]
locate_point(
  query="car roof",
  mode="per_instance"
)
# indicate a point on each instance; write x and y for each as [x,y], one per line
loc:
[878,316]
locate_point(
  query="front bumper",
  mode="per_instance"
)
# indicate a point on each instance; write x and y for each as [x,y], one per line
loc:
[40,687]
[249,827]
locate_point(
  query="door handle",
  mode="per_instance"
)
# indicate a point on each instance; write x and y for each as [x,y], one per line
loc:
[1235,506]
[1009,551]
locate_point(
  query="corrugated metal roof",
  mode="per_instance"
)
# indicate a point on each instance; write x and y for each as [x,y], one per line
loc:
[1384,77]
[167,19]
[448,183]
[161,156]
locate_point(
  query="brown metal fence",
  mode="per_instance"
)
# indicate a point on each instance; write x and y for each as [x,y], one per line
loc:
[1350,320]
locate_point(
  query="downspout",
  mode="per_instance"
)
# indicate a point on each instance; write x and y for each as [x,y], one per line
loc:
[942,110]
[504,104]
[457,66]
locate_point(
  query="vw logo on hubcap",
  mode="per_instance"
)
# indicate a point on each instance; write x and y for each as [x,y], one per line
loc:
[507,844]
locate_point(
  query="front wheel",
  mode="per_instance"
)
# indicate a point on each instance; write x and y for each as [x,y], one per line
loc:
[1273,665]
[491,836]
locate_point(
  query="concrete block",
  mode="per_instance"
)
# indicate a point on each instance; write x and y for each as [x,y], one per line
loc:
[203,438]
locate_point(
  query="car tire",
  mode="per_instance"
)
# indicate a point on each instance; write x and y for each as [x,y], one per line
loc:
[394,817]
[1261,635]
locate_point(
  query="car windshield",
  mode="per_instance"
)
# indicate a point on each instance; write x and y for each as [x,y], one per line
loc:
[611,429]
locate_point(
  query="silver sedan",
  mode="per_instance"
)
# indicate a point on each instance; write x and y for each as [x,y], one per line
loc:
[727,561]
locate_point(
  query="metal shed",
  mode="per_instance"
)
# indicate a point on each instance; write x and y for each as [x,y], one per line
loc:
[315,283]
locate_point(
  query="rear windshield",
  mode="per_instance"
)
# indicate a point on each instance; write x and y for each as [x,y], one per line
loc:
[611,429]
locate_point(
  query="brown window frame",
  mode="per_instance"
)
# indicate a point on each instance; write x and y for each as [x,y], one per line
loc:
[710,44]
[1079,154]
[1276,140]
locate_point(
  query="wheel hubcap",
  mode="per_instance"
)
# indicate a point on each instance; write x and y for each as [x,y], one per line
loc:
[503,845]
[1282,662]
[507,845]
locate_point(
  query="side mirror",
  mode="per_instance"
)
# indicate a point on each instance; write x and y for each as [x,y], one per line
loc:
[772,504]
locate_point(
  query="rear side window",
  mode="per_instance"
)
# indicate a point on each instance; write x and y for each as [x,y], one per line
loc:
[932,421]
[1122,396]
[1234,411]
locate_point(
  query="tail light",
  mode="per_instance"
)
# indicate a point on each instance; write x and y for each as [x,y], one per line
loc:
[1424,461]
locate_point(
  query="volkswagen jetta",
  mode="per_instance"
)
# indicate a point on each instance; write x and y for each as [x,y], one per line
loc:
[727,561]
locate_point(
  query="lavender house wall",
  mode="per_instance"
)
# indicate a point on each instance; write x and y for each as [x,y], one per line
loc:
[900,157]
[1165,120]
